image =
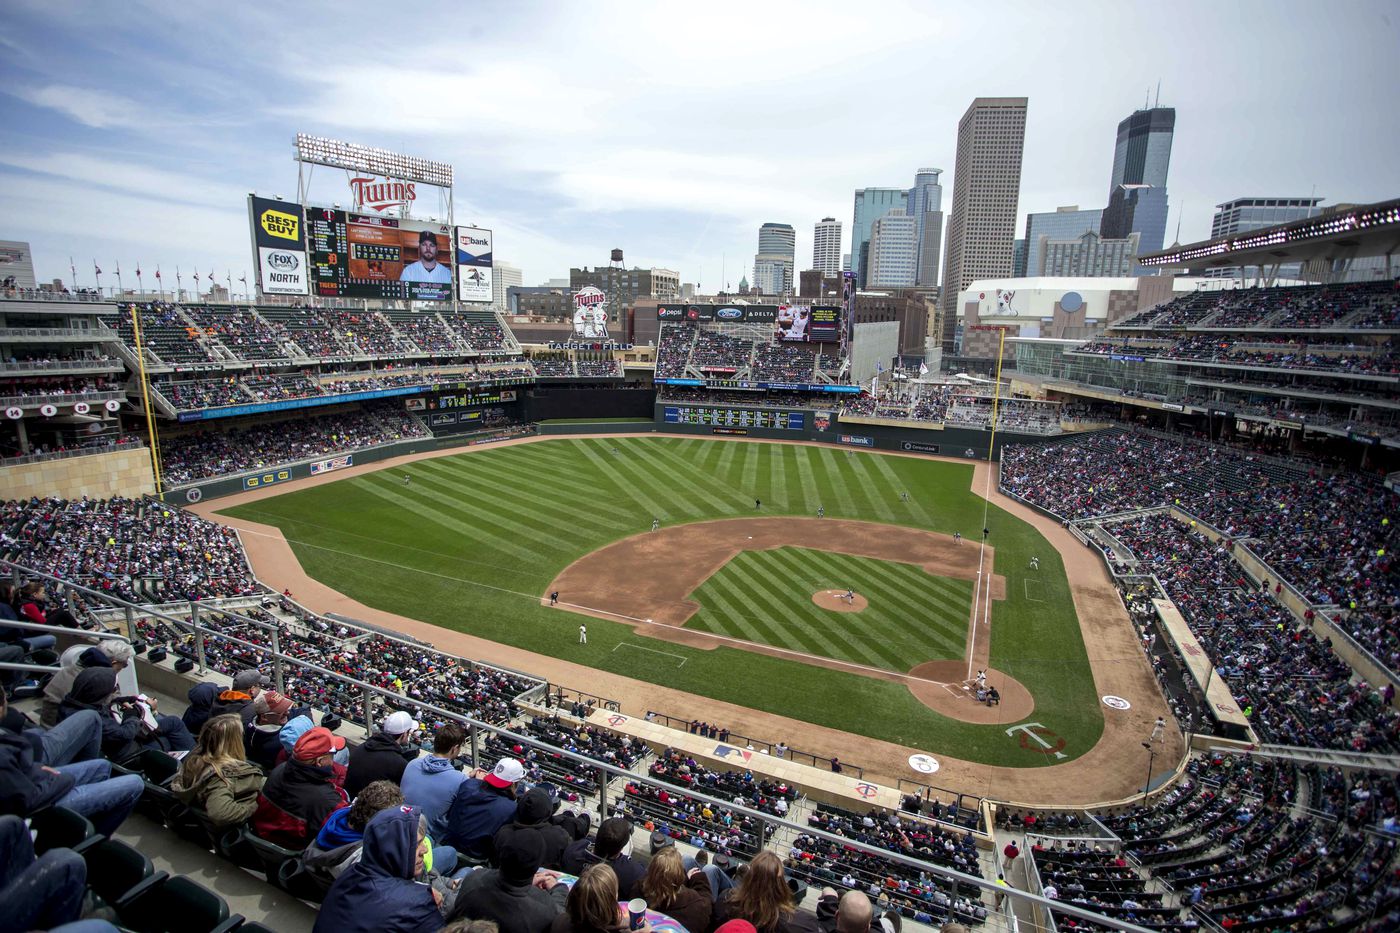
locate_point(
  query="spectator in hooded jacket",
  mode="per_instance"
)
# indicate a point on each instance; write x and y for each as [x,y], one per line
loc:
[107,653]
[517,896]
[216,777]
[482,805]
[210,700]
[380,893]
[338,845]
[123,732]
[302,792]
[430,782]
[384,755]
[532,817]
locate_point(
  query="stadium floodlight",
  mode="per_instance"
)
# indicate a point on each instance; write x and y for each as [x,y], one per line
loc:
[336,153]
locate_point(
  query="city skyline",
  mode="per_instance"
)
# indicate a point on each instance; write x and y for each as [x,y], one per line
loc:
[137,131]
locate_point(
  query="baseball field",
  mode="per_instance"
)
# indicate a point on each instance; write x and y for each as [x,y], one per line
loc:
[739,594]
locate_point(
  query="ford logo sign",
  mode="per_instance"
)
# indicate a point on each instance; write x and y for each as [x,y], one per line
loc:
[284,261]
[728,314]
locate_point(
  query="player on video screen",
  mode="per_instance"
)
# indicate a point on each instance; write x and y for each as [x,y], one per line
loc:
[427,268]
[797,328]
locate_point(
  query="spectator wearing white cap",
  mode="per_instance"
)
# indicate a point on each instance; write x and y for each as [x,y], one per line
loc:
[384,755]
[482,805]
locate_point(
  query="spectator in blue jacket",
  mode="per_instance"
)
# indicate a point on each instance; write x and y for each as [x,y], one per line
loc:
[430,782]
[482,805]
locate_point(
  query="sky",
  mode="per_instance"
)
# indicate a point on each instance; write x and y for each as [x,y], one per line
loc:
[134,131]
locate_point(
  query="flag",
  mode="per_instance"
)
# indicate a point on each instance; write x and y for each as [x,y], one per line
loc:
[96,269]
[157,272]
[196,274]
[243,278]
[923,369]
[138,270]
[879,367]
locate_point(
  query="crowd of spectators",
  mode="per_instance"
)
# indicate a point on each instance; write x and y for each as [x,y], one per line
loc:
[720,352]
[782,362]
[675,767]
[114,545]
[198,455]
[54,386]
[1328,535]
[1286,353]
[673,350]
[1292,686]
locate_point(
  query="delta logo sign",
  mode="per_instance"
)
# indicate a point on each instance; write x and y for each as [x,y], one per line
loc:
[376,194]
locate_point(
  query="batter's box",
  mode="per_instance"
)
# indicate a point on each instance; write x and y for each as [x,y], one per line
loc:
[628,644]
[1035,591]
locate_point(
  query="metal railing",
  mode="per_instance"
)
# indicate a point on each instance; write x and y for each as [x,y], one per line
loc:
[606,773]
[61,398]
[58,366]
[67,454]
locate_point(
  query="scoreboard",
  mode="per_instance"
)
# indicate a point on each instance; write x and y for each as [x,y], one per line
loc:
[736,417]
[367,256]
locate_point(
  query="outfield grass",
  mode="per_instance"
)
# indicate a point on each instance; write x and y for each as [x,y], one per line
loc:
[766,597]
[474,541]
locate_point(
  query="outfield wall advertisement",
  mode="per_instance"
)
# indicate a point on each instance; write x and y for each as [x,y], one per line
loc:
[279,246]
[791,323]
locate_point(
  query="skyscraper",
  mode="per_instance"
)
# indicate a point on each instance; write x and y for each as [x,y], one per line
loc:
[1087,255]
[826,246]
[773,265]
[986,188]
[503,276]
[1137,192]
[894,255]
[926,207]
[871,205]
[1064,223]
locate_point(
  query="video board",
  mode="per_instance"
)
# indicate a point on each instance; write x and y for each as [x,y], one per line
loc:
[792,323]
[367,256]
[474,265]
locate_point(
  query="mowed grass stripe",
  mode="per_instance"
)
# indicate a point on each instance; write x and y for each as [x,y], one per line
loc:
[807,477]
[881,628]
[827,633]
[660,489]
[538,518]
[481,513]
[703,488]
[547,510]
[635,499]
[743,616]
[778,488]
[436,515]
[749,478]
[877,494]
[721,616]
[770,610]
[937,595]
[828,470]
[914,506]
[724,468]
[796,619]
[801,497]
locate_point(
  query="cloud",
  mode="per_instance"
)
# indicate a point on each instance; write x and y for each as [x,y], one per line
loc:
[97,109]
[126,178]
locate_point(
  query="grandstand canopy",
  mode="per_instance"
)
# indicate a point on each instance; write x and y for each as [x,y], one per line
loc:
[1367,230]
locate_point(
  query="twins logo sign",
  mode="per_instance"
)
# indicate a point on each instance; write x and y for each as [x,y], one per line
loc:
[590,314]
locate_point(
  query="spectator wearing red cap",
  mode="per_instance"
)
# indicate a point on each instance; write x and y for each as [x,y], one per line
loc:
[384,755]
[482,805]
[271,710]
[302,792]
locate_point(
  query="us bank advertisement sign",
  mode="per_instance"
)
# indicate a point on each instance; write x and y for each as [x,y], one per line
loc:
[279,239]
[474,265]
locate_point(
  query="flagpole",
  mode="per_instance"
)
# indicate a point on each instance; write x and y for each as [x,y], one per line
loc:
[97,276]
[119,279]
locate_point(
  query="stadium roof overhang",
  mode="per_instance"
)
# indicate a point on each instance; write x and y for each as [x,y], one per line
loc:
[1367,230]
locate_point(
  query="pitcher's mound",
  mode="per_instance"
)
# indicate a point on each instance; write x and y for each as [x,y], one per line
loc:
[836,601]
[942,688]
